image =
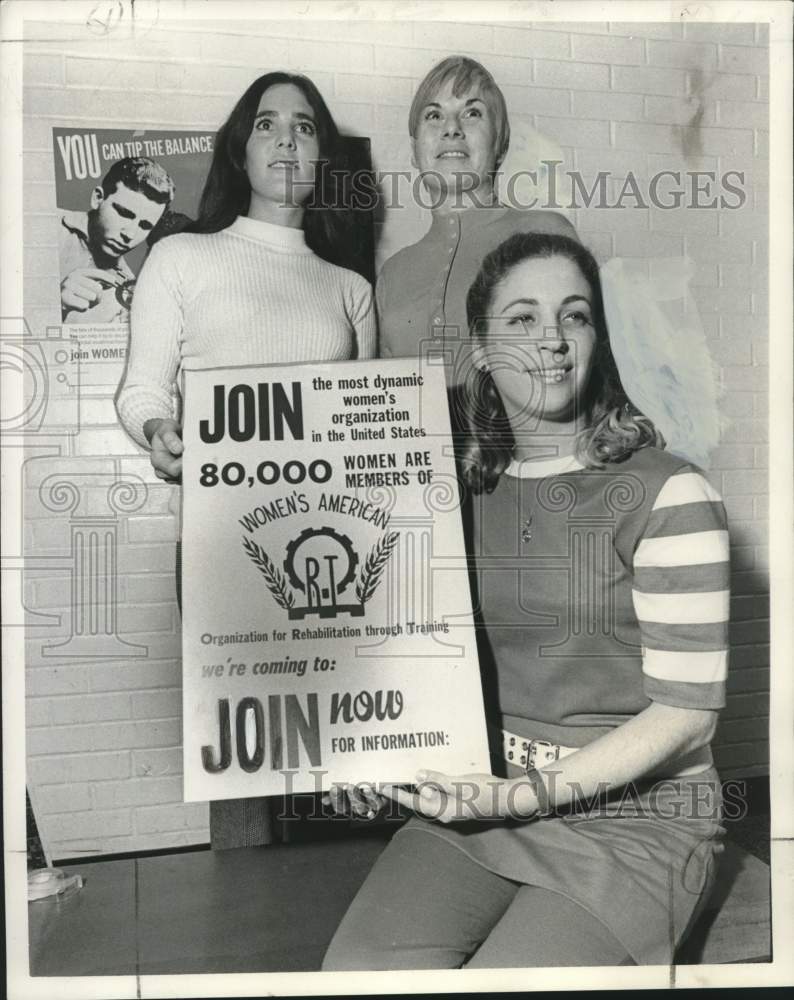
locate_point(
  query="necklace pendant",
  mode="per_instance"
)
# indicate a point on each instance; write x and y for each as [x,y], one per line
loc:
[526,530]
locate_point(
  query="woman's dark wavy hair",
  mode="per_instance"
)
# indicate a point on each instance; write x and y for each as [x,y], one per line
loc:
[227,191]
[614,427]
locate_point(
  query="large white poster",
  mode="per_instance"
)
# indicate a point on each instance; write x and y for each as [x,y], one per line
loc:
[327,621]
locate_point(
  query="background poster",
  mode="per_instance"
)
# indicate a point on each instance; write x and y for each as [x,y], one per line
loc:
[327,627]
[104,237]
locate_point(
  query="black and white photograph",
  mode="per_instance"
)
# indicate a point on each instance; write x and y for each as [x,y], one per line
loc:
[397,504]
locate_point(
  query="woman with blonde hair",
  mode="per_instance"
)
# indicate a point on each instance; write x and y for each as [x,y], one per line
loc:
[460,133]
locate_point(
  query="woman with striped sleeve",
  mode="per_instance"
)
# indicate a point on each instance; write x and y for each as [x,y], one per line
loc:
[602,591]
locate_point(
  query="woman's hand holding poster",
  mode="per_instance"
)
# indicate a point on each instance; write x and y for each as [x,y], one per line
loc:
[327,623]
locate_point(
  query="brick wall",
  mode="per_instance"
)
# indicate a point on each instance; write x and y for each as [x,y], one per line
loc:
[104,733]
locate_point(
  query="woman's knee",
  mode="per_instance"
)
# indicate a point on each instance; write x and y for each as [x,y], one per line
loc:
[424,905]
[377,944]
[345,955]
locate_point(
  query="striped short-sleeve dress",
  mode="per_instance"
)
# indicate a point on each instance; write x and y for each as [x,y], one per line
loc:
[598,592]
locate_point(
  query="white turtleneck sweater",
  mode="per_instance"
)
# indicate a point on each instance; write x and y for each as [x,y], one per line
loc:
[253,293]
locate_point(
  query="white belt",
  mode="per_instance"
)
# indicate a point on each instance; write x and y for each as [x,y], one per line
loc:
[525,752]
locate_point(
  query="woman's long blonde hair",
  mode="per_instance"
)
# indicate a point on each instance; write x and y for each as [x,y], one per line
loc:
[614,427]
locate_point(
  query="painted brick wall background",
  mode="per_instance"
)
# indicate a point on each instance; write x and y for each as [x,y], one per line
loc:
[104,734]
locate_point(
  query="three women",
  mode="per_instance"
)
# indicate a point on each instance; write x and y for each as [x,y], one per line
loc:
[601,561]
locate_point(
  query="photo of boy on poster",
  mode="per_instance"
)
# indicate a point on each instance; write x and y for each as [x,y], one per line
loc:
[113,208]
[96,284]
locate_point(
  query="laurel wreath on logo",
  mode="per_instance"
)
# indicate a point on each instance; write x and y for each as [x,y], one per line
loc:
[274,578]
[368,581]
[373,567]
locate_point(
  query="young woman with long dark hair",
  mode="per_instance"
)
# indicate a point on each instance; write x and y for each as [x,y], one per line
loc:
[256,280]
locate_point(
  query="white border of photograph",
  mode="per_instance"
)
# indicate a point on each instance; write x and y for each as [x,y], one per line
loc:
[778,972]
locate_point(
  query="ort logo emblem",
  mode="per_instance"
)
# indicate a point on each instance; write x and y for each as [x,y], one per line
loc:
[320,566]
